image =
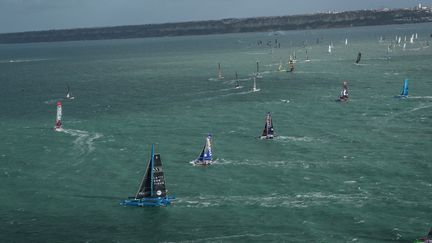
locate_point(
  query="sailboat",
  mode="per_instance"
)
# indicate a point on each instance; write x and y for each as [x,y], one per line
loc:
[404,93]
[344,92]
[254,88]
[358,58]
[68,94]
[307,57]
[219,72]
[258,74]
[346,41]
[152,191]
[268,132]
[205,157]
[330,49]
[290,64]
[237,85]
[425,239]
[58,125]
[280,66]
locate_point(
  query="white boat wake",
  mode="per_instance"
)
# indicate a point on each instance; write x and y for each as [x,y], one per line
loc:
[274,200]
[84,141]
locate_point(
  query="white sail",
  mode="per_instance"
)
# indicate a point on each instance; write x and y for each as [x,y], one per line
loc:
[254,88]
[330,49]
[58,124]
[346,41]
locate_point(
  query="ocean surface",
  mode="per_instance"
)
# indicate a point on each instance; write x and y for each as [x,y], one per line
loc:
[359,171]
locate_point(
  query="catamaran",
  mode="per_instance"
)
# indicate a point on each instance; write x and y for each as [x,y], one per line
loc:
[344,92]
[68,94]
[205,157]
[219,72]
[58,125]
[404,93]
[254,88]
[268,132]
[358,58]
[152,191]
[425,239]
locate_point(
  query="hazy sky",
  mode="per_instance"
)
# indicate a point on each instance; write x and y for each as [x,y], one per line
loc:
[25,15]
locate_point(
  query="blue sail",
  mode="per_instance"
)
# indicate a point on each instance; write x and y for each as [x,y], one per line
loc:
[405,88]
[205,156]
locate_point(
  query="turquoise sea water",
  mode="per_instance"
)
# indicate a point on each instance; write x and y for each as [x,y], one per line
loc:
[336,172]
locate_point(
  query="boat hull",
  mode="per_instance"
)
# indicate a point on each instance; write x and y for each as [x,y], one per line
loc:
[203,163]
[148,202]
[267,137]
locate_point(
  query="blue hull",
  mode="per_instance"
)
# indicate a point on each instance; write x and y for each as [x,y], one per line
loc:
[148,202]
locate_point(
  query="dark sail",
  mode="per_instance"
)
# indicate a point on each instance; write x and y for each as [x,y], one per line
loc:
[358,57]
[153,183]
[159,189]
[145,187]
[268,128]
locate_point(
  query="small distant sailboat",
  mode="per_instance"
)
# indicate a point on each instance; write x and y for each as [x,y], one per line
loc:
[412,39]
[344,92]
[404,93]
[346,41]
[68,94]
[280,66]
[58,125]
[291,65]
[358,58]
[205,157]
[152,191]
[258,74]
[254,88]
[268,132]
[237,84]
[330,49]
[307,56]
[404,46]
[219,72]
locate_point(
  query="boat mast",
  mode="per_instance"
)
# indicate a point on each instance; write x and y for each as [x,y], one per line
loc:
[151,172]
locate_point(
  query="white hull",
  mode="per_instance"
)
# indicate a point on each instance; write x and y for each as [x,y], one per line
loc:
[58,129]
[267,137]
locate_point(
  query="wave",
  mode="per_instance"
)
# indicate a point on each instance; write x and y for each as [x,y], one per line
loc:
[276,164]
[23,60]
[84,141]
[294,139]
[274,200]
[239,237]
[420,108]
[419,97]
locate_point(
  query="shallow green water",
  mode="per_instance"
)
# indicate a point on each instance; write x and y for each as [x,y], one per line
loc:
[353,172]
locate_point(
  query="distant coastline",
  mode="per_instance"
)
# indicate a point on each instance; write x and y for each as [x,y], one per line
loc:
[232,25]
